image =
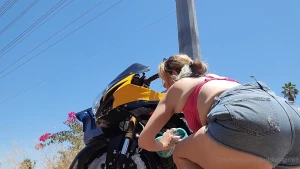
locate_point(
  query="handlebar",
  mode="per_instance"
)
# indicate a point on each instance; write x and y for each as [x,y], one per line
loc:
[150,79]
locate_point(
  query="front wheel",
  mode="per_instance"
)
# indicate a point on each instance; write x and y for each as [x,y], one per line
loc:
[94,156]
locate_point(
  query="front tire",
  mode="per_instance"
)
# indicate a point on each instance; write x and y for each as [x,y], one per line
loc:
[93,150]
[93,156]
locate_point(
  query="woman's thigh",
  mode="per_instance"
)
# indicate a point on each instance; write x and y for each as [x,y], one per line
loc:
[201,149]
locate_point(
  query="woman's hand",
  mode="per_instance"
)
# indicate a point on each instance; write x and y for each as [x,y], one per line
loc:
[168,139]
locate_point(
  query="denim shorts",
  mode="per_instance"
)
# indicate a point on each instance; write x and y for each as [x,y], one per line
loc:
[251,118]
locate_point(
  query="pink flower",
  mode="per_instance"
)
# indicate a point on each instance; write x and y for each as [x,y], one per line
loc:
[71,115]
[71,118]
[39,146]
[44,137]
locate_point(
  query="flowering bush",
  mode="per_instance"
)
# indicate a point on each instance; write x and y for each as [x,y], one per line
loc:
[44,137]
[73,136]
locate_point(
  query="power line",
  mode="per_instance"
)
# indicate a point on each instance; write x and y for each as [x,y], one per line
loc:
[61,39]
[32,26]
[30,34]
[10,5]
[18,17]
[4,5]
[84,59]
[52,36]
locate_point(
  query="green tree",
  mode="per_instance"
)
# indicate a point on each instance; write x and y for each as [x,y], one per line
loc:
[290,91]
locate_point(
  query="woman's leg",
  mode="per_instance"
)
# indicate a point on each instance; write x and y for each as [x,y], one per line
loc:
[183,162]
[200,150]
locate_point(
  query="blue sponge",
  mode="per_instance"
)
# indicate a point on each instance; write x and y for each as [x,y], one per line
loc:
[167,153]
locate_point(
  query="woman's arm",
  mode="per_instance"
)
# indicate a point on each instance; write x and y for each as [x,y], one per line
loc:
[162,114]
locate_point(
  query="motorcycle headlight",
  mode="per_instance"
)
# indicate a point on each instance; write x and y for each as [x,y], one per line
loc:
[96,106]
[96,103]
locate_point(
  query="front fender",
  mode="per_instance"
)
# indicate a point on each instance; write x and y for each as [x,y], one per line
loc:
[88,152]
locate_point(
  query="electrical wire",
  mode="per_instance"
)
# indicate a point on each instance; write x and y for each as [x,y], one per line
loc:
[49,39]
[32,26]
[4,5]
[31,33]
[18,17]
[10,5]
[61,39]
[84,59]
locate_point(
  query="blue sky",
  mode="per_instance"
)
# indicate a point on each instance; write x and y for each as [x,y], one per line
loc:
[237,39]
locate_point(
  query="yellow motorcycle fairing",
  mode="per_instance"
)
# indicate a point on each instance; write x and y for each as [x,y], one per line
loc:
[124,81]
[128,92]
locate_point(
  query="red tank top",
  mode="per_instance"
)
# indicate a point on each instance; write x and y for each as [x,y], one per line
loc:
[190,109]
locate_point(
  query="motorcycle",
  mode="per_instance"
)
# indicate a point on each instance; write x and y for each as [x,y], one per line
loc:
[112,125]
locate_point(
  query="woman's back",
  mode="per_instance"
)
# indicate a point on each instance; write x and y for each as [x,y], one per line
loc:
[198,95]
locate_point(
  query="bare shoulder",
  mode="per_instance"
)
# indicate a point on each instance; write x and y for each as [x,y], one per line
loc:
[185,84]
[180,91]
[182,82]
[180,88]
[177,86]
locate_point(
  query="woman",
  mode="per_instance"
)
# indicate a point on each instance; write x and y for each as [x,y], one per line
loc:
[242,126]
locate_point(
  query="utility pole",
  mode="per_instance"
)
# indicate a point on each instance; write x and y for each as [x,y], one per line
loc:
[188,29]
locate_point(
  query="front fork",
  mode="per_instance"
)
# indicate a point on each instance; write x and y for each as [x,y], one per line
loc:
[120,160]
[129,136]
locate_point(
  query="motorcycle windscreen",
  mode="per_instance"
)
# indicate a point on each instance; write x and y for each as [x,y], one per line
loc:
[135,68]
